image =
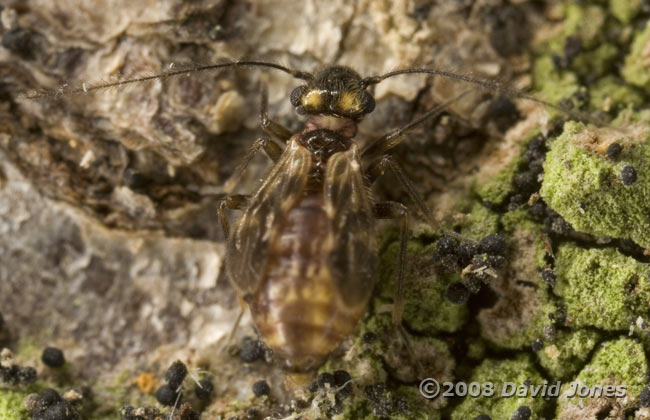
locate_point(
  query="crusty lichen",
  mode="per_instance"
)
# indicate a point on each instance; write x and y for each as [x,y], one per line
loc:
[425,306]
[601,287]
[635,70]
[519,370]
[567,352]
[620,362]
[585,187]
[12,406]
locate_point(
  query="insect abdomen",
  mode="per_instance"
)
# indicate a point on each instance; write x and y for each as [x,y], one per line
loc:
[297,309]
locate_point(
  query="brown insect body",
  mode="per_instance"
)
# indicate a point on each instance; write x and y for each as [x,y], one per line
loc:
[304,254]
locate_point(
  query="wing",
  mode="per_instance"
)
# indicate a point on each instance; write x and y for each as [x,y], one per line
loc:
[248,245]
[353,258]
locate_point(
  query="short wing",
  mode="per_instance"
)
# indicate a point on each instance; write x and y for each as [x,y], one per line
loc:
[248,245]
[353,257]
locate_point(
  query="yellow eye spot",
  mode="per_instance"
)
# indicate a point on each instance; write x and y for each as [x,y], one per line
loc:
[312,99]
[349,102]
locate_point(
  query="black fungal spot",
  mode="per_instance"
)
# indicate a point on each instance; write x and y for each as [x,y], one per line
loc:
[176,374]
[203,390]
[166,395]
[549,277]
[261,388]
[614,151]
[251,350]
[628,175]
[53,357]
[457,293]
[522,413]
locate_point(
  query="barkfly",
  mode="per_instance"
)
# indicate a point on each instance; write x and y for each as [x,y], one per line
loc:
[303,255]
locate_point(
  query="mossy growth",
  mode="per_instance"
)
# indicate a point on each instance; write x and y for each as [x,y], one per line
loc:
[567,352]
[585,22]
[477,221]
[425,307]
[518,370]
[625,10]
[497,188]
[364,360]
[636,69]
[402,403]
[610,93]
[500,185]
[583,185]
[12,405]
[601,287]
[552,84]
[618,362]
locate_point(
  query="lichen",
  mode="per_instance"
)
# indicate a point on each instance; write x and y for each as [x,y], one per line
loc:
[519,370]
[619,362]
[585,187]
[425,306]
[497,188]
[635,70]
[608,93]
[601,287]
[625,10]
[500,184]
[12,405]
[478,222]
[567,352]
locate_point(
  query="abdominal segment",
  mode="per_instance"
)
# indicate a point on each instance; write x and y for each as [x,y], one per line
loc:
[297,309]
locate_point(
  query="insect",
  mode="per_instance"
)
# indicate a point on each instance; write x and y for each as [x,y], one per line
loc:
[303,255]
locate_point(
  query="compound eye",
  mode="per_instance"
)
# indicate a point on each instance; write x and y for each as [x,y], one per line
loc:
[368,103]
[296,95]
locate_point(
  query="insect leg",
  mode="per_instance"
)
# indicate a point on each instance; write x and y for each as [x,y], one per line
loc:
[235,326]
[378,168]
[272,150]
[277,130]
[231,202]
[394,210]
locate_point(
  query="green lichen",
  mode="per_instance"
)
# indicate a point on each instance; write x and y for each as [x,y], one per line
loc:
[567,352]
[601,287]
[586,22]
[585,187]
[425,306]
[553,85]
[596,62]
[364,361]
[12,405]
[479,222]
[610,93]
[617,362]
[625,10]
[517,370]
[415,407]
[497,188]
[476,349]
[636,69]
